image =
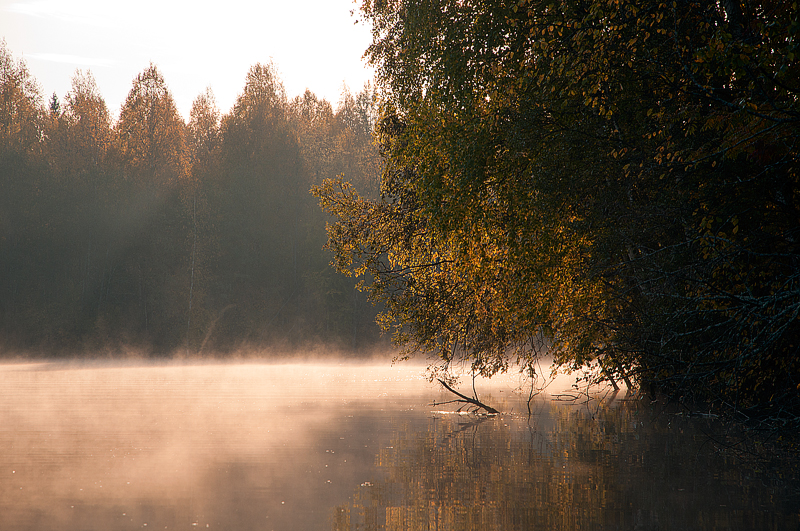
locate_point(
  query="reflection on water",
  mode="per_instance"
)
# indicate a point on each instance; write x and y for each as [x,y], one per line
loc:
[307,447]
[569,468]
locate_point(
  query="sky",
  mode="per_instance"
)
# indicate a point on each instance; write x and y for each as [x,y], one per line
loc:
[314,44]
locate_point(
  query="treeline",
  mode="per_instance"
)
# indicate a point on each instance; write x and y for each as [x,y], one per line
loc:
[614,184]
[143,231]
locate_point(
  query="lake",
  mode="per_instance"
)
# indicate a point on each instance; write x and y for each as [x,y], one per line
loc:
[302,446]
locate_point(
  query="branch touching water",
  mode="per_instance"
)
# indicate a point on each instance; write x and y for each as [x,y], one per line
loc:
[467,400]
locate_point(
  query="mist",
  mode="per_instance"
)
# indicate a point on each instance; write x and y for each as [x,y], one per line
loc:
[100,445]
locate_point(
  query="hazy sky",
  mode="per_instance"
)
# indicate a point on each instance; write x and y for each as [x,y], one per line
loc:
[196,44]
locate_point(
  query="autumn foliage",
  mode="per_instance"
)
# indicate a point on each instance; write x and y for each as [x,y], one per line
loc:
[612,183]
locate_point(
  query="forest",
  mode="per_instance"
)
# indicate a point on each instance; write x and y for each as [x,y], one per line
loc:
[610,183]
[144,232]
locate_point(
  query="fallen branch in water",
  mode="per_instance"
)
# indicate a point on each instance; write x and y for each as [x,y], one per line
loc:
[465,399]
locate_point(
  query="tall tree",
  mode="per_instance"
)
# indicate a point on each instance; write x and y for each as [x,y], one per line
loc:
[204,142]
[582,172]
[23,223]
[155,252]
[258,194]
[78,144]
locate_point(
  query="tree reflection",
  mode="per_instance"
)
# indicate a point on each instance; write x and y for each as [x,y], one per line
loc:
[570,468]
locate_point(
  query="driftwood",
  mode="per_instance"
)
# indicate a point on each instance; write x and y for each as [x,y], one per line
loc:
[467,400]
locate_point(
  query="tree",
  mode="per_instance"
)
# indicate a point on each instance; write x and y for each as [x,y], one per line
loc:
[314,122]
[356,156]
[88,126]
[23,220]
[78,144]
[204,130]
[257,194]
[204,141]
[579,172]
[153,248]
[21,109]
[150,131]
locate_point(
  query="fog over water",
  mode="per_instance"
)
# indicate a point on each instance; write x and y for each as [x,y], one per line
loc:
[103,443]
[110,445]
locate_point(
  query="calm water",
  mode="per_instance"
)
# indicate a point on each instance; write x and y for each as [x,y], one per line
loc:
[320,447]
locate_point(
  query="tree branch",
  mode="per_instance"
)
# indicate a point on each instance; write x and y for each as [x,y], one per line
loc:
[468,400]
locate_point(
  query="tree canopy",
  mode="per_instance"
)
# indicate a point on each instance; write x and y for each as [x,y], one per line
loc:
[606,182]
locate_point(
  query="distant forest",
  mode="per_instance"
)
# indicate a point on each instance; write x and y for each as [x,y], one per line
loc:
[146,232]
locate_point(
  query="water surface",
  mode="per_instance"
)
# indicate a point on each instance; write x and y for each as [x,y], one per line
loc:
[110,446]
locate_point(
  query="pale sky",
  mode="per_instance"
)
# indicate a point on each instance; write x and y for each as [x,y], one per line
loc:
[195,44]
